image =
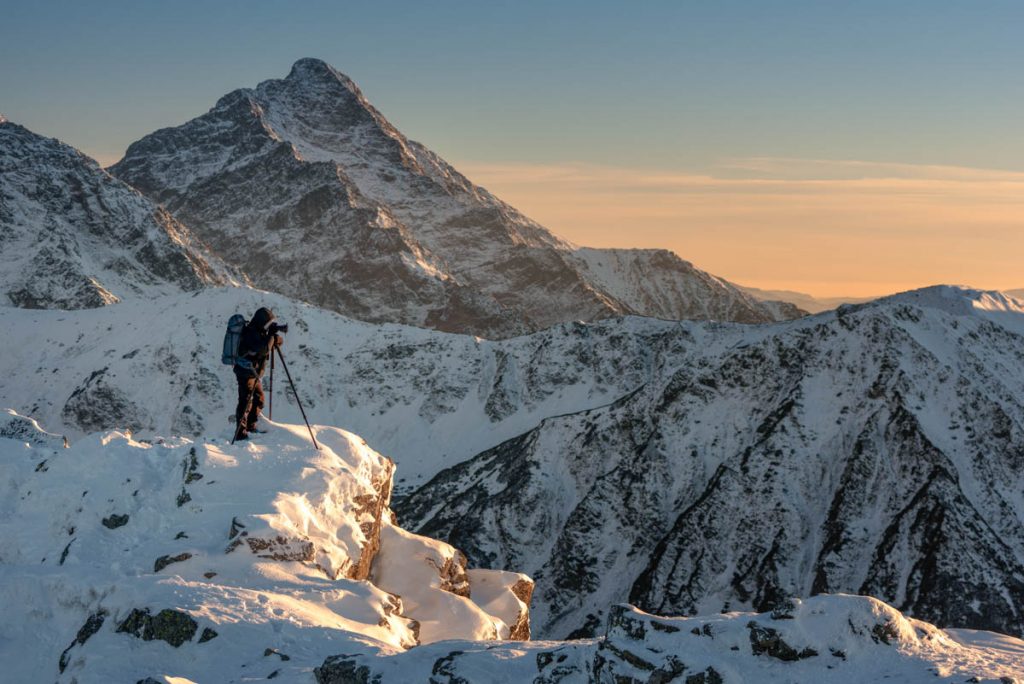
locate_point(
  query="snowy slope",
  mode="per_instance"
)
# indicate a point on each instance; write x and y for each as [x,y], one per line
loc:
[877,449]
[622,443]
[428,399]
[196,561]
[829,639]
[303,185]
[656,282]
[72,236]
[124,559]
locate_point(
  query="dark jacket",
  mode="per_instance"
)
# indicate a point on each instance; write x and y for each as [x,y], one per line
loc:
[256,343]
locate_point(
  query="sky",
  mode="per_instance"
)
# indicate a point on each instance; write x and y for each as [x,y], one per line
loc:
[837,148]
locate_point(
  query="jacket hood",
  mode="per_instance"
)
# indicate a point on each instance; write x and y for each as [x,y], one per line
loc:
[262,318]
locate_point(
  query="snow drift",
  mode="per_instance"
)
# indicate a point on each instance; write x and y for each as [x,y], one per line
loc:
[124,559]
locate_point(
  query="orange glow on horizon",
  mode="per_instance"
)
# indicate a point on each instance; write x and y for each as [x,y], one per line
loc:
[858,229]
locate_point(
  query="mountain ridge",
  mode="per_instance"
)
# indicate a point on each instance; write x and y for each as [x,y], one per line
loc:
[770,478]
[73,236]
[613,412]
[309,166]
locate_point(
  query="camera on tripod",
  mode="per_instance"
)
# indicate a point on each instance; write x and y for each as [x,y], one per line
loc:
[276,327]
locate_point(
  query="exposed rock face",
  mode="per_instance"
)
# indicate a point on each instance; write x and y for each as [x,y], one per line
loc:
[171,626]
[91,626]
[344,670]
[306,188]
[506,595]
[73,237]
[878,449]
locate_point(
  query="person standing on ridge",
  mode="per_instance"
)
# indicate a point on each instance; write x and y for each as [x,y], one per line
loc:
[259,337]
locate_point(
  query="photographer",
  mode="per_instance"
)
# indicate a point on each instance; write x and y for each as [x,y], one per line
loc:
[259,337]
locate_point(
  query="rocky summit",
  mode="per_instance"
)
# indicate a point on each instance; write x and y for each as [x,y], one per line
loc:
[73,237]
[308,190]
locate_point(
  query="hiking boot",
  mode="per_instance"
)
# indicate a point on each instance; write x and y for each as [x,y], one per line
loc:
[239,436]
[257,430]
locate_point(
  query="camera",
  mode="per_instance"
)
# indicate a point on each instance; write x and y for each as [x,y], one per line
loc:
[278,328]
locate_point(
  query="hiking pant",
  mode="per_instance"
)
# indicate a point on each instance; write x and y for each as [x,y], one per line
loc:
[248,384]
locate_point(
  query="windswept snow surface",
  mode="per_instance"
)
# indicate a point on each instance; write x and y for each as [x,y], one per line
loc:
[259,553]
[127,561]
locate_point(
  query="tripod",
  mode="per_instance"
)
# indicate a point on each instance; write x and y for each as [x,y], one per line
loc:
[292,384]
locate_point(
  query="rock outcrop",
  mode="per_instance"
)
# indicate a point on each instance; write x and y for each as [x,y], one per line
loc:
[302,529]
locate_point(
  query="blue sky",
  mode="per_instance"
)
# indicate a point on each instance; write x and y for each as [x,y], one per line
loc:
[664,87]
[664,83]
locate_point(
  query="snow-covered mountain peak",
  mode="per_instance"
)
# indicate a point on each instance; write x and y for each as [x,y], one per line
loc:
[957,300]
[313,70]
[73,236]
[304,170]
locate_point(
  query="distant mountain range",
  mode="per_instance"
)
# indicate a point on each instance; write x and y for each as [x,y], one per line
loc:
[801,300]
[812,304]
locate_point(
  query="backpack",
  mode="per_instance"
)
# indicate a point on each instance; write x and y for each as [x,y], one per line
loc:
[232,337]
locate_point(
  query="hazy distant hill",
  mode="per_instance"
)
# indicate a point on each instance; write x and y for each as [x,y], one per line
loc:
[808,303]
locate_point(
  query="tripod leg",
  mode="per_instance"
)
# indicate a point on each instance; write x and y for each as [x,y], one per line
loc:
[297,400]
[270,403]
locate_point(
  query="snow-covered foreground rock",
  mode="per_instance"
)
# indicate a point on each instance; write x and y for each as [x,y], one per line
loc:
[123,559]
[195,561]
[830,639]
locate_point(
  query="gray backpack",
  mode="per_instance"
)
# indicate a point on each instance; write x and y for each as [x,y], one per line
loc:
[232,338]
